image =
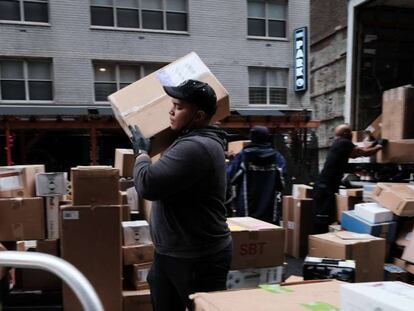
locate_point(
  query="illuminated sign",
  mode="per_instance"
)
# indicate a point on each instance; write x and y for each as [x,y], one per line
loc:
[301,59]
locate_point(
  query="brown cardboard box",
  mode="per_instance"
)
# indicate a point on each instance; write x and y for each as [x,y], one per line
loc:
[144,103]
[297,223]
[19,180]
[91,241]
[22,219]
[358,136]
[399,198]
[408,253]
[124,162]
[256,244]
[286,297]
[135,300]
[95,185]
[302,191]
[126,210]
[367,251]
[137,275]
[235,147]
[375,127]
[405,265]
[35,279]
[355,192]
[397,112]
[345,203]
[397,151]
[138,254]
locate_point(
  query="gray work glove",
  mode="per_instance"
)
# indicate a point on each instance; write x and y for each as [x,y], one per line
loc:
[140,144]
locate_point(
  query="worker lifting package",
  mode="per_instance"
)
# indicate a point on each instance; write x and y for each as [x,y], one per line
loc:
[145,103]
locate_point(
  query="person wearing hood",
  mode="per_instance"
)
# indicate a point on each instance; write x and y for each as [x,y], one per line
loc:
[257,174]
[193,245]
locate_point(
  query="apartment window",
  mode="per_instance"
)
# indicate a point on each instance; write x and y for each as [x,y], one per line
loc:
[27,80]
[267,18]
[140,14]
[268,86]
[110,77]
[24,10]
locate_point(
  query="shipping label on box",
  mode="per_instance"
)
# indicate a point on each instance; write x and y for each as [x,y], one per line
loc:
[250,278]
[397,197]
[10,179]
[136,232]
[145,103]
[50,184]
[256,244]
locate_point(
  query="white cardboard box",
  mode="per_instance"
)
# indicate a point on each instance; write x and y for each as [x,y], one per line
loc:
[250,278]
[373,212]
[132,196]
[377,296]
[49,184]
[136,232]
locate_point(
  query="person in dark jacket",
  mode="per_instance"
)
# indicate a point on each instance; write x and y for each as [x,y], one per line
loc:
[331,175]
[257,174]
[193,245]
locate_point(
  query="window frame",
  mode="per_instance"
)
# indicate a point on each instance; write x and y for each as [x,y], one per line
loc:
[26,81]
[164,12]
[22,14]
[118,65]
[268,71]
[267,19]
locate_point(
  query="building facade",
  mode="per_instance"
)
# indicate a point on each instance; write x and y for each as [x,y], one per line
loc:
[62,58]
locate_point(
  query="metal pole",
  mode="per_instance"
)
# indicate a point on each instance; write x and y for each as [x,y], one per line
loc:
[66,271]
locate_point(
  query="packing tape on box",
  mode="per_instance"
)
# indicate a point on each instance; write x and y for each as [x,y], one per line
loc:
[135,109]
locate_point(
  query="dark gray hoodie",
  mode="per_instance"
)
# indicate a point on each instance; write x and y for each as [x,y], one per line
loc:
[187,185]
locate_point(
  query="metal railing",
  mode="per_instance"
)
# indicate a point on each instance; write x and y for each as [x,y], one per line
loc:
[63,269]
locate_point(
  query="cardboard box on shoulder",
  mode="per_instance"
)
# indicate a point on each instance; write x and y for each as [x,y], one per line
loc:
[134,300]
[390,296]
[19,180]
[297,223]
[367,251]
[145,103]
[397,197]
[22,219]
[35,279]
[256,244]
[397,151]
[124,162]
[322,295]
[95,185]
[91,241]
[397,112]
